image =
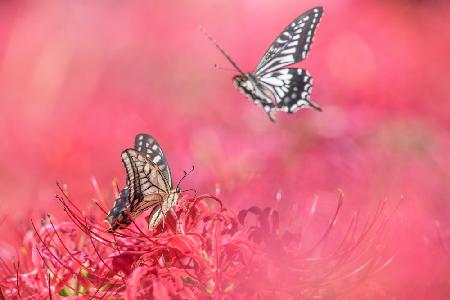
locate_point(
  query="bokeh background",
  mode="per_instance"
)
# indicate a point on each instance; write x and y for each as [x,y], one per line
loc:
[79,79]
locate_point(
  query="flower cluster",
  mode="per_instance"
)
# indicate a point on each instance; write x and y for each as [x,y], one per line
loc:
[201,250]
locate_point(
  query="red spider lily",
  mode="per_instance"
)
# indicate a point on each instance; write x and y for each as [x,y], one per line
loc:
[201,250]
[77,81]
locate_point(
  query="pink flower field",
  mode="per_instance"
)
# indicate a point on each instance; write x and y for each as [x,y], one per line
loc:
[349,203]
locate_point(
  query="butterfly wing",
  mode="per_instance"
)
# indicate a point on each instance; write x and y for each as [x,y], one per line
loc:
[149,188]
[144,179]
[148,146]
[293,43]
[290,87]
[146,187]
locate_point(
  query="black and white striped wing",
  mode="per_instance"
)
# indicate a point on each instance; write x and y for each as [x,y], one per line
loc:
[146,183]
[148,146]
[293,43]
[290,87]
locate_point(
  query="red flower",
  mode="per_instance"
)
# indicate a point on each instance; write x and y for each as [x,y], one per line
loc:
[201,250]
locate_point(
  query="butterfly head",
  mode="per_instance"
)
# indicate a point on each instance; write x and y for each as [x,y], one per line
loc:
[244,85]
[239,80]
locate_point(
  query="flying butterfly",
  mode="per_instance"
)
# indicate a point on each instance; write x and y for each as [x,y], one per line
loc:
[273,86]
[149,185]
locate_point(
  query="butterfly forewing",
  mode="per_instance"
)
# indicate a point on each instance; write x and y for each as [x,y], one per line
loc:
[143,176]
[293,43]
[148,146]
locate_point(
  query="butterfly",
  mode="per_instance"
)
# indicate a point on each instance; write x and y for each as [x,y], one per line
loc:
[149,185]
[273,86]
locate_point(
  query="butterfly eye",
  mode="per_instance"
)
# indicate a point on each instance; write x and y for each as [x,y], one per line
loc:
[178,190]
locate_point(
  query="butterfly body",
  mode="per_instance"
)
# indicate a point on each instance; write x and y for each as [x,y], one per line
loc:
[248,86]
[149,185]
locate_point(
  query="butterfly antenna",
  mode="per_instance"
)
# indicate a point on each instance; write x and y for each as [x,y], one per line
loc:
[189,190]
[223,69]
[185,175]
[220,49]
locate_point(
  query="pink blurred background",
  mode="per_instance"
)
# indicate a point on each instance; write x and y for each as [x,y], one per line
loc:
[79,79]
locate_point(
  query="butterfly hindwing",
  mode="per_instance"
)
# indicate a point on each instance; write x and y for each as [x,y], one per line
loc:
[293,43]
[117,216]
[290,87]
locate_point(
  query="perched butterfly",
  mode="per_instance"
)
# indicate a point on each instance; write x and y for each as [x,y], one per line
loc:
[272,85]
[149,185]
